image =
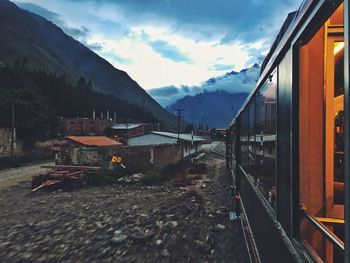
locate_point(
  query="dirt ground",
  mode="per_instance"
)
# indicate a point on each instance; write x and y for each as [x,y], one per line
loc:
[127,222]
[13,176]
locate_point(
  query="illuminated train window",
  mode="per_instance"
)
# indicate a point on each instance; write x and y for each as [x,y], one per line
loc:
[321,140]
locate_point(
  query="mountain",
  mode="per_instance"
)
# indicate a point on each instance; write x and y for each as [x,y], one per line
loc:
[215,102]
[215,108]
[46,46]
[231,82]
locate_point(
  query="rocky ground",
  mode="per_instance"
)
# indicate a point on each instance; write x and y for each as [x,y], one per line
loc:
[126,222]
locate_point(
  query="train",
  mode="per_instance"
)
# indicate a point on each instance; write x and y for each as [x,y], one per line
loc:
[287,148]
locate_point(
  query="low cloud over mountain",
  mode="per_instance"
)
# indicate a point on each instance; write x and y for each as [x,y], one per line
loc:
[231,82]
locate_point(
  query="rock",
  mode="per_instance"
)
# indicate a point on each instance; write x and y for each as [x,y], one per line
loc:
[173,224]
[165,236]
[200,244]
[139,234]
[137,176]
[220,227]
[219,212]
[159,224]
[158,242]
[165,253]
[118,237]
[99,225]
[105,251]
[170,225]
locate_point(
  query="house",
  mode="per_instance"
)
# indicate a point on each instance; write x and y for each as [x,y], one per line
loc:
[190,144]
[86,150]
[5,143]
[219,134]
[84,126]
[126,130]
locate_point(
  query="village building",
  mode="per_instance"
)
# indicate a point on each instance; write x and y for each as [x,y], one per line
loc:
[86,150]
[5,143]
[84,126]
[189,143]
[127,130]
[219,134]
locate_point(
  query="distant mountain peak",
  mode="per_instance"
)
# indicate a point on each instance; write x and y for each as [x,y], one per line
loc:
[231,82]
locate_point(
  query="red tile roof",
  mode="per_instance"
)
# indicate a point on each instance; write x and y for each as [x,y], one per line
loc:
[94,140]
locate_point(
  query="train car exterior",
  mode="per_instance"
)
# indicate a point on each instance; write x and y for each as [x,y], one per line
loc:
[288,148]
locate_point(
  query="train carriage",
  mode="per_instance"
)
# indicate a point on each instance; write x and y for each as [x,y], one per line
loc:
[288,149]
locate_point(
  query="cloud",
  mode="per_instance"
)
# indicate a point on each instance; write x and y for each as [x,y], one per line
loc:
[168,51]
[221,67]
[172,42]
[36,9]
[117,58]
[206,19]
[94,46]
[232,82]
[164,91]
[78,33]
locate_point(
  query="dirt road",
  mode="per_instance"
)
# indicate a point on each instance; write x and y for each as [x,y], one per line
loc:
[128,222]
[13,176]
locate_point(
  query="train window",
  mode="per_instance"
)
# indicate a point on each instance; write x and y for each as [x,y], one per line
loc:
[321,140]
[244,140]
[265,130]
[251,135]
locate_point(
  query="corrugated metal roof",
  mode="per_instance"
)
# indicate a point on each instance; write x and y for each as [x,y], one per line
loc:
[122,126]
[182,136]
[94,140]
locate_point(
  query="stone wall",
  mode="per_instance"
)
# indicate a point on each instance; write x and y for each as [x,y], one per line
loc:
[143,158]
[5,143]
[135,158]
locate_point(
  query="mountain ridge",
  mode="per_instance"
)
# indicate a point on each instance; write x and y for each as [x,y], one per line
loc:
[211,108]
[46,46]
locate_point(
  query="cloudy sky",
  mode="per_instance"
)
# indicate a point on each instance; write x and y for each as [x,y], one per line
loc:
[171,42]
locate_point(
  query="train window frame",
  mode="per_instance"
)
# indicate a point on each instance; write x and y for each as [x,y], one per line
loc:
[267,197]
[271,196]
[329,32]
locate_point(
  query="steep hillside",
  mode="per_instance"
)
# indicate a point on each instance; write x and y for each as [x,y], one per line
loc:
[46,46]
[215,109]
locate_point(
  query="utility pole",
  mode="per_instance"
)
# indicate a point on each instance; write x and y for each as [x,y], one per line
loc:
[178,110]
[126,134]
[12,129]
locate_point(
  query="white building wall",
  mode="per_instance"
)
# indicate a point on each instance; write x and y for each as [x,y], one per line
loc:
[150,139]
[188,149]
